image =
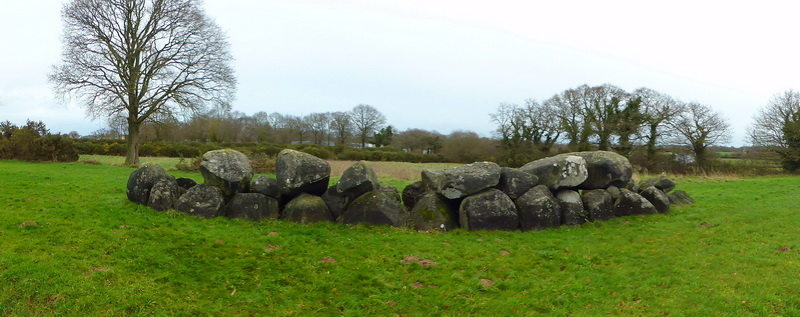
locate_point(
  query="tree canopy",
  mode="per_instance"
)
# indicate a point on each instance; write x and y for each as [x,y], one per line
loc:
[139,58]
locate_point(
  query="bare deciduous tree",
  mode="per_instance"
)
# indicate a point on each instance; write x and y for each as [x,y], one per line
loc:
[775,128]
[142,57]
[366,120]
[317,125]
[657,110]
[699,127]
[768,125]
[341,125]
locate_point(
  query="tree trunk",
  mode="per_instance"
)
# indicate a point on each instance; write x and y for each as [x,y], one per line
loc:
[132,158]
[651,143]
[700,156]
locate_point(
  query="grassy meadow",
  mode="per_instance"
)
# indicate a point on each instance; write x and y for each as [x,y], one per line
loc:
[71,244]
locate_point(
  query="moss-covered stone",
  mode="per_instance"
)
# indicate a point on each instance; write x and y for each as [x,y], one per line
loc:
[432,212]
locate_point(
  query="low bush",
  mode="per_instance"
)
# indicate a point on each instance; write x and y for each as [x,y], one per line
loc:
[190,165]
[194,149]
[28,144]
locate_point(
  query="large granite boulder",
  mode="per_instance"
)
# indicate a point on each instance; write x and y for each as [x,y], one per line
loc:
[515,183]
[412,193]
[538,209]
[465,180]
[306,208]
[141,182]
[391,191]
[432,212]
[664,184]
[432,179]
[659,199]
[298,172]
[266,186]
[680,197]
[375,208]
[202,201]
[357,180]
[164,194]
[605,169]
[488,210]
[630,203]
[598,204]
[572,212]
[228,170]
[560,171]
[336,201]
[252,206]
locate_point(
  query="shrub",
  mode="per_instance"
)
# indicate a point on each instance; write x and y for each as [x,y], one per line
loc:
[28,144]
[54,148]
[262,163]
[189,166]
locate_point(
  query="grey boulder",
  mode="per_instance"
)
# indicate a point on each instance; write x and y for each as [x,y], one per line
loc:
[604,169]
[630,203]
[141,182]
[538,209]
[560,171]
[614,192]
[680,197]
[202,201]
[488,210]
[164,194]
[412,193]
[391,191]
[664,184]
[465,180]
[299,172]
[357,180]
[375,208]
[336,202]
[252,206]
[659,199]
[305,209]
[572,212]
[228,170]
[432,212]
[598,204]
[515,183]
[266,186]
[432,179]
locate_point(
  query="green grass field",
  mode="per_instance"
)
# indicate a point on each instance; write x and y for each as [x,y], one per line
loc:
[71,244]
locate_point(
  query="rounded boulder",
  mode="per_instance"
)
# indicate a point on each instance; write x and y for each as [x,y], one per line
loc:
[164,194]
[560,171]
[538,209]
[375,208]
[299,172]
[252,206]
[488,210]
[605,169]
[432,212]
[141,182]
[306,209]
[266,186]
[465,180]
[228,170]
[202,201]
[357,180]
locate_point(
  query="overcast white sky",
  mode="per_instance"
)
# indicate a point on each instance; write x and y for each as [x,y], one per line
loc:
[444,64]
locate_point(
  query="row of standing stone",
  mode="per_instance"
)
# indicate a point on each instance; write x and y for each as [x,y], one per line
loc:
[565,189]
